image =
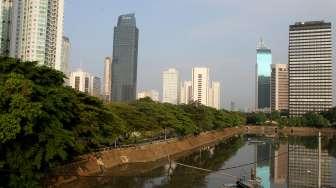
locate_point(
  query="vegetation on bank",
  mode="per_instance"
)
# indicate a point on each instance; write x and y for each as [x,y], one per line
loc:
[44,123]
[310,119]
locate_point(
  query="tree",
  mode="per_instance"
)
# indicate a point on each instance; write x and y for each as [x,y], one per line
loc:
[312,119]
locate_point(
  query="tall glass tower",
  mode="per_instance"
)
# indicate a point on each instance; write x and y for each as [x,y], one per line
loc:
[125,59]
[263,75]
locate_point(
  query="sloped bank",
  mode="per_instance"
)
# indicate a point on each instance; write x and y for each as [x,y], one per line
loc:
[93,163]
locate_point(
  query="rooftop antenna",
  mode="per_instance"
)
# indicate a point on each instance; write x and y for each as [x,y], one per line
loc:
[261,43]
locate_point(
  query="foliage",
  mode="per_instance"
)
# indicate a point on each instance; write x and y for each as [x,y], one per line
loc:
[44,123]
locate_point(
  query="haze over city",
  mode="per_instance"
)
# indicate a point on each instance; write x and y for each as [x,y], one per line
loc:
[221,35]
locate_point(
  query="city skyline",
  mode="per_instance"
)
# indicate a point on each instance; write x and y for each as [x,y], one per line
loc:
[235,52]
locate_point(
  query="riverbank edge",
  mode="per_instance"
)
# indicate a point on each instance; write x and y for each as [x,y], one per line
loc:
[90,164]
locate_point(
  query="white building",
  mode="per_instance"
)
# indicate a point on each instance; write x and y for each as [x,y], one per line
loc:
[186,92]
[200,84]
[214,95]
[107,78]
[5,20]
[37,31]
[66,46]
[153,94]
[171,86]
[85,82]
[310,67]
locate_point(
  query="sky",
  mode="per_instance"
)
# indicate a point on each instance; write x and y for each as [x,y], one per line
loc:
[219,34]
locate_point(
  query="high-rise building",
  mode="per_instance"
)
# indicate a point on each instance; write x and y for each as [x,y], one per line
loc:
[171,86]
[153,94]
[214,95]
[65,55]
[125,59]
[186,92]
[85,82]
[263,74]
[107,78]
[80,81]
[310,67]
[200,84]
[37,31]
[6,7]
[279,87]
[95,86]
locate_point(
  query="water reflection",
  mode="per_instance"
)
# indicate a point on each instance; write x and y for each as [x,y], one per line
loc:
[279,162]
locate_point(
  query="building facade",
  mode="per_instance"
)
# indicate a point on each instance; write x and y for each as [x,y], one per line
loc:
[186,92]
[107,78]
[263,74]
[153,94]
[279,87]
[65,58]
[86,83]
[6,8]
[171,86]
[214,95]
[37,31]
[95,86]
[125,59]
[310,67]
[200,84]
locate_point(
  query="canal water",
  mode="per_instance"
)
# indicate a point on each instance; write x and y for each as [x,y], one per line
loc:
[277,162]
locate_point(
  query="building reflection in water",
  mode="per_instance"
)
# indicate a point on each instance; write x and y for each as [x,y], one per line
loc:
[308,167]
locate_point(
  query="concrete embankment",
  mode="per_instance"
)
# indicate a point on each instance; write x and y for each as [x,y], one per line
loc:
[91,164]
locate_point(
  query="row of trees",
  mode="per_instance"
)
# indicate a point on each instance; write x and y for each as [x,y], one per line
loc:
[44,124]
[310,119]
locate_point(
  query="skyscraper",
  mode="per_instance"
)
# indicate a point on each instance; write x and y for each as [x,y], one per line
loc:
[214,95]
[171,86]
[65,55]
[85,82]
[80,81]
[200,84]
[107,78]
[186,92]
[125,59]
[6,7]
[263,74]
[310,67]
[37,31]
[95,86]
[279,87]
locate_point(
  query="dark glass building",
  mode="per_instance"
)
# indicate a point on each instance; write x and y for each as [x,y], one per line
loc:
[263,75]
[125,59]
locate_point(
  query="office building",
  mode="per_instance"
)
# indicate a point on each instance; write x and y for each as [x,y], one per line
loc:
[37,31]
[263,74]
[65,57]
[200,84]
[279,87]
[214,95]
[186,92]
[95,86]
[85,82]
[6,7]
[310,67]
[171,86]
[125,59]
[107,79]
[153,94]
[80,81]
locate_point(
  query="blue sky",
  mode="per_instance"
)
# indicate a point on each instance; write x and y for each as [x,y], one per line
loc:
[220,34]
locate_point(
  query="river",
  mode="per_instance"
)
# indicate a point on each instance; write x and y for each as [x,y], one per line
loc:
[277,162]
